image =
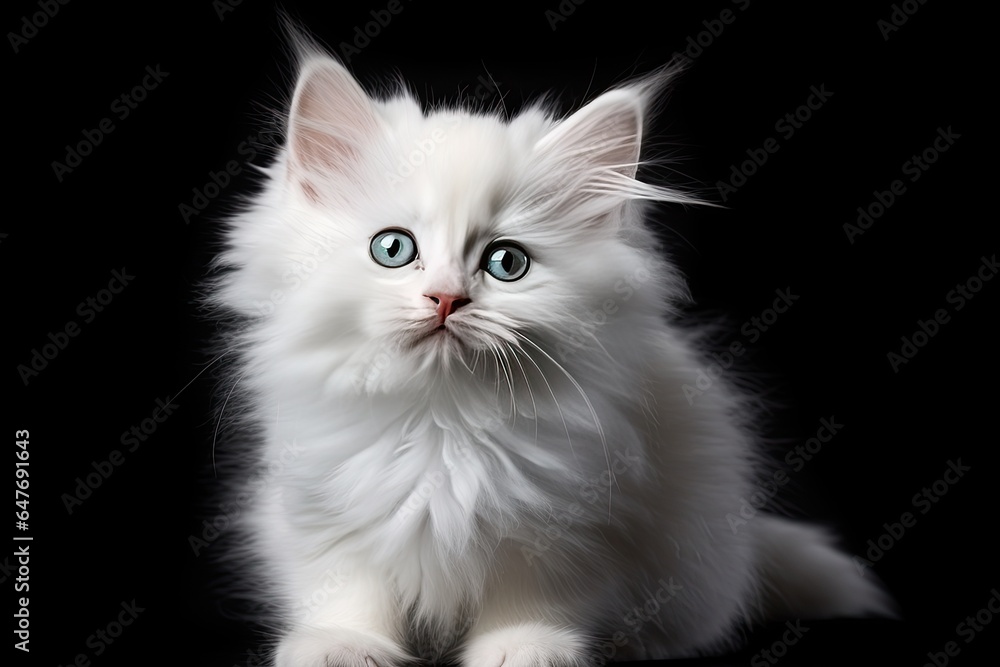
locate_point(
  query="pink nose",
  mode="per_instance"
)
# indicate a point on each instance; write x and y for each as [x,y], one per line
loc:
[447,304]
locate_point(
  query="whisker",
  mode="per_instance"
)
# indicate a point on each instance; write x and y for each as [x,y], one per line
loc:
[496,361]
[472,371]
[555,401]
[573,381]
[527,384]
[209,365]
[586,400]
[510,383]
[508,352]
[218,423]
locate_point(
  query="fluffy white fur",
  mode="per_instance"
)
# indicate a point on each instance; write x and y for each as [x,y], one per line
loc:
[531,483]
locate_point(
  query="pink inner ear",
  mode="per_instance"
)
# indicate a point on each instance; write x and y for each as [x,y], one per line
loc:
[604,135]
[332,118]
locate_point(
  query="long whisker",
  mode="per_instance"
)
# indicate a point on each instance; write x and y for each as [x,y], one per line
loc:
[510,383]
[586,400]
[527,385]
[496,361]
[555,401]
[573,381]
[218,423]
[472,371]
[207,366]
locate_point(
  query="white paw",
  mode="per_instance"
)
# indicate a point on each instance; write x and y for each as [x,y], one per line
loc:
[525,645]
[337,647]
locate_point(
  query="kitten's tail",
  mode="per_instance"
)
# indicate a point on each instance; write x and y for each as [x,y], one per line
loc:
[803,575]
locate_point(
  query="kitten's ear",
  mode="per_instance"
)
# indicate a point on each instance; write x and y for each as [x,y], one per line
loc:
[603,136]
[332,121]
[585,166]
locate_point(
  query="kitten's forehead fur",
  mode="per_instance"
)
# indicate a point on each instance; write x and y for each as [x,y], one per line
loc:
[456,175]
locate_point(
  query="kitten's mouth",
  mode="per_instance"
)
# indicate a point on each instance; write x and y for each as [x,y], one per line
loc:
[444,332]
[451,338]
[441,333]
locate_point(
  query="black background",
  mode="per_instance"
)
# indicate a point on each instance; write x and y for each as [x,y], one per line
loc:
[783,229]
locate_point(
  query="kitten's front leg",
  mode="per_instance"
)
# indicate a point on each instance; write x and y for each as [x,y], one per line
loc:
[337,646]
[343,620]
[519,627]
[526,644]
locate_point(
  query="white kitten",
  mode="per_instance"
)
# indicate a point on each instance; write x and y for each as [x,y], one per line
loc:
[457,325]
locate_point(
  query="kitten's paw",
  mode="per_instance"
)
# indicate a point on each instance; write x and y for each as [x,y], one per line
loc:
[337,647]
[526,645]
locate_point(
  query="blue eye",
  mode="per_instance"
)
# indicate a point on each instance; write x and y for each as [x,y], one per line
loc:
[505,261]
[393,248]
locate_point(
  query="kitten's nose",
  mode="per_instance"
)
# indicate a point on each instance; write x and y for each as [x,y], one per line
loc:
[447,304]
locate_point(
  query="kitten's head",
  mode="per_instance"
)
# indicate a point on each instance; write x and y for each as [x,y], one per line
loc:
[393,246]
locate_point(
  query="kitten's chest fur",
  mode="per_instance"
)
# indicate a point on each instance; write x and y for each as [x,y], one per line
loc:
[426,466]
[429,490]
